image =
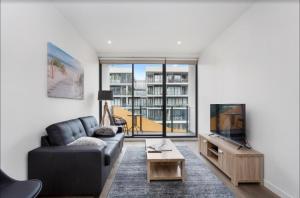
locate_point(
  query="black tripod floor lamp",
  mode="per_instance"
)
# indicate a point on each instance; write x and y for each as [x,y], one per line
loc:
[104,96]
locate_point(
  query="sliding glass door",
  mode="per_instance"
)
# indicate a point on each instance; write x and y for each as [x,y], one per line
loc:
[148,92]
[180,96]
[154,99]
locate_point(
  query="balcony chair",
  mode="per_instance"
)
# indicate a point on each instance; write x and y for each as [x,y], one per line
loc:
[119,121]
[10,187]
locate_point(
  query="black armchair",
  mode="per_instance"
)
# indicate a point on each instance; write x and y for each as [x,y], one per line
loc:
[12,188]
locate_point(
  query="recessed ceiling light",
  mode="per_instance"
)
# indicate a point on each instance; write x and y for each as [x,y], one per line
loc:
[109,42]
[178,42]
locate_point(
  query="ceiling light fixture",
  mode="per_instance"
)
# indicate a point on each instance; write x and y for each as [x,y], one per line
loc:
[178,42]
[109,42]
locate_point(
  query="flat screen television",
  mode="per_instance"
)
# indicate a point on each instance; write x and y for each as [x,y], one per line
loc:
[229,121]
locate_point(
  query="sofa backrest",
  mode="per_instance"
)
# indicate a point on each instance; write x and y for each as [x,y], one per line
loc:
[90,124]
[63,133]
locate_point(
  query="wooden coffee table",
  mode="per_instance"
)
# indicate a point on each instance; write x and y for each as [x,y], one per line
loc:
[167,165]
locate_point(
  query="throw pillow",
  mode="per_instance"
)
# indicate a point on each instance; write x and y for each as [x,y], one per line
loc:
[106,131]
[87,141]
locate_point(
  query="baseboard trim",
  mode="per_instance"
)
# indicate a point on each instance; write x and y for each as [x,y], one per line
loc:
[276,190]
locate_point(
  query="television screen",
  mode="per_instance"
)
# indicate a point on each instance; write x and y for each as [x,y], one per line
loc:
[228,120]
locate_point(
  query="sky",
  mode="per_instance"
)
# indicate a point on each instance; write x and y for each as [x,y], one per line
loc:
[54,51]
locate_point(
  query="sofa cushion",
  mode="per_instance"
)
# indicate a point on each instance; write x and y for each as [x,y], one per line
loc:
[63,133]
[111,152]
[88,141]
[108,131]
[90,124]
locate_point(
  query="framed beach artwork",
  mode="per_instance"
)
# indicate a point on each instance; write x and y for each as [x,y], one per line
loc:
[65,75]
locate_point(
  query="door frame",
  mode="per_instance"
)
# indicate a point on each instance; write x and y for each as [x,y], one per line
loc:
[164,106]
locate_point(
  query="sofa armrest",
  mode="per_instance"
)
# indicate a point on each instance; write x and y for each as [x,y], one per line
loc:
[67,170]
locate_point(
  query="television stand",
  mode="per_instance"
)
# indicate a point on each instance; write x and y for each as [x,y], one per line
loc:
[240,164]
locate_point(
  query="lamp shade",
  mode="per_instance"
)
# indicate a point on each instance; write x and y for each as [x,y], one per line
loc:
[105,95]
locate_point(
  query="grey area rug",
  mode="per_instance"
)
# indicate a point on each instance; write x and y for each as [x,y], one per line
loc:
[130,179]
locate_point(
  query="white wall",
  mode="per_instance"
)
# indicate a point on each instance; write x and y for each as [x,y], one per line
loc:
[25,108]
[256,62]
[192,97]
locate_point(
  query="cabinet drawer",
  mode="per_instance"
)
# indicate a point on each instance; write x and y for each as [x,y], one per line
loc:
[249,168]
[226,162]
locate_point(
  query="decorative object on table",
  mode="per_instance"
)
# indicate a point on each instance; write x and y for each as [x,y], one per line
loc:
[10,187]
[104,96]
[106,131]
[158,148]
[65,75]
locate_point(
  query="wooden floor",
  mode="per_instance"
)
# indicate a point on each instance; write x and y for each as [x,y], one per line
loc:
[242,191]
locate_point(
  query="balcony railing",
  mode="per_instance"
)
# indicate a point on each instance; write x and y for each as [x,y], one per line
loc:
[123,93]
[168,81]
[177,118]
[120,81]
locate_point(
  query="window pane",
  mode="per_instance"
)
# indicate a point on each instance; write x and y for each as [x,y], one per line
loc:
[118,79]
[148,99]
[180,100]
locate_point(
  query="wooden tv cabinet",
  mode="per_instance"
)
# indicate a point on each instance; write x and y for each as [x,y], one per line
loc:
[240,165]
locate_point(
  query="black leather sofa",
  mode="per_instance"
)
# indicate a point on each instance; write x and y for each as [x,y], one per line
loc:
[73,170]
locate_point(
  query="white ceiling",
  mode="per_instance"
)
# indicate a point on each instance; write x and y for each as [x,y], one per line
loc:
[151,28]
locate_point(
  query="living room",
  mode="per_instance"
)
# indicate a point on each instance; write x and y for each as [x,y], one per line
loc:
[149,98]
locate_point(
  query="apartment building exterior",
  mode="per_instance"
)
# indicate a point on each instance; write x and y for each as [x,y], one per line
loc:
[176,96]
[148,95]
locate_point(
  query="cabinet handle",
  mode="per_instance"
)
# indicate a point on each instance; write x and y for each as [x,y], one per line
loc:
[220,151]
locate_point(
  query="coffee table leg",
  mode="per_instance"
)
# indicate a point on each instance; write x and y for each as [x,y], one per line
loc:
[183,170]
[148,171]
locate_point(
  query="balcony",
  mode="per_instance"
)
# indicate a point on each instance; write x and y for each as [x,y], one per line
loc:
[148,119]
